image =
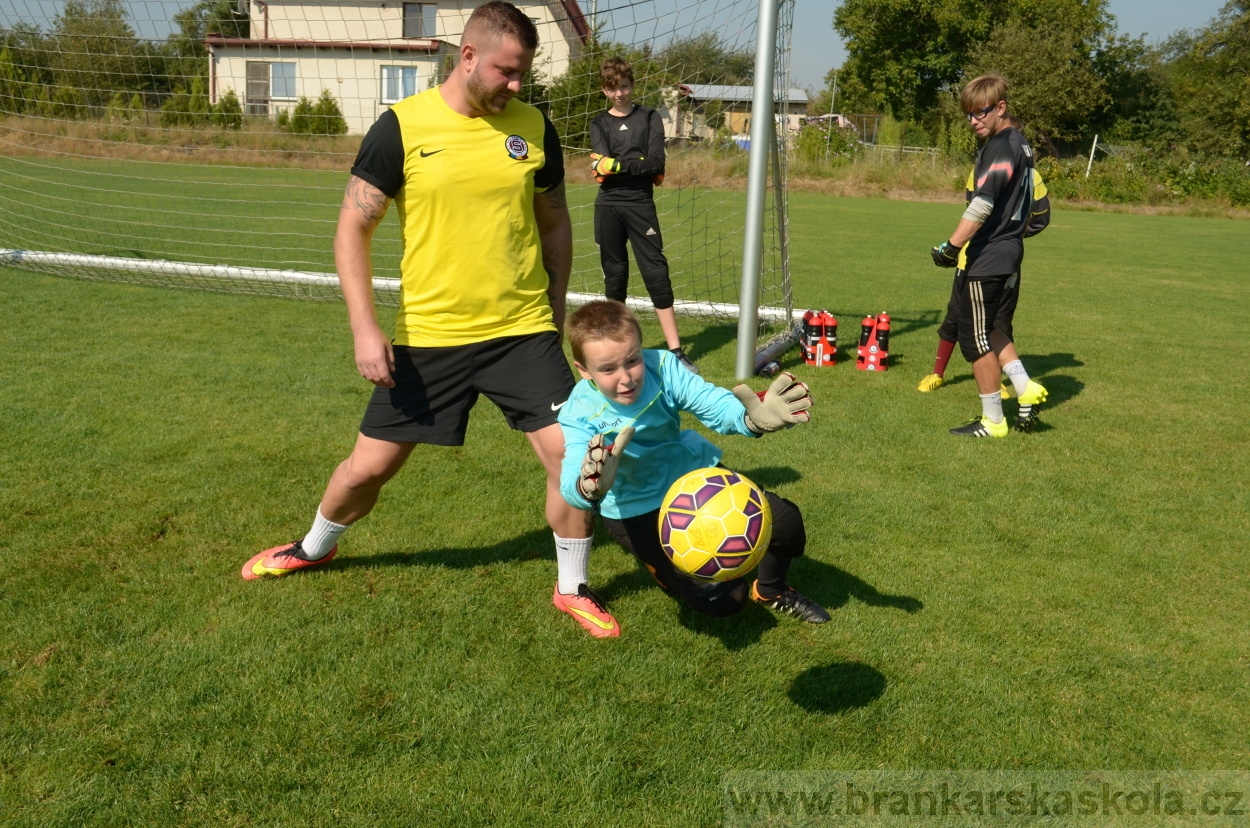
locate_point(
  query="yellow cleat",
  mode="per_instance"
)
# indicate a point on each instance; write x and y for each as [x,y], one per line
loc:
[1005,391]
[930,383]
[1030,404]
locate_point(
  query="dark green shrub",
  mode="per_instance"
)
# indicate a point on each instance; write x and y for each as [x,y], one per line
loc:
[228,113]
[322,117]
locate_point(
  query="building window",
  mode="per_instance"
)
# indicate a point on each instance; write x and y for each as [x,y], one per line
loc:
[268,82]
[282,77]
[398,82]
[419,19]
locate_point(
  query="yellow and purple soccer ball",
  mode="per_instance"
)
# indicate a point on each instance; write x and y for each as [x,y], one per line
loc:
[715,524]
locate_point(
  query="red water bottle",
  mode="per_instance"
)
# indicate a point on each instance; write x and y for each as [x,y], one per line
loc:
[828,348]
[879,343]
[883,332]
[813,329]
[866,329]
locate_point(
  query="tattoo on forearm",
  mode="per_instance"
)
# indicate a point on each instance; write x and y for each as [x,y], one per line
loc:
[368,200]
[549,261]
[556,199]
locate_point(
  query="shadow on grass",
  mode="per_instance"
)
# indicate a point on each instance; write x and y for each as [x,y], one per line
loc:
[830,586]
[1042,364]
[836,688]
[900,325]
[770,476]
[736,632]
[527,547]
[833,588]
[710,339]
[1060,388]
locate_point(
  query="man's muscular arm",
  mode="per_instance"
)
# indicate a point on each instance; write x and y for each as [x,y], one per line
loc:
[362,210]
[555,230]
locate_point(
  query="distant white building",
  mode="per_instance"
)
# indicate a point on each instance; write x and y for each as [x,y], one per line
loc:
[369,55]
[692,104]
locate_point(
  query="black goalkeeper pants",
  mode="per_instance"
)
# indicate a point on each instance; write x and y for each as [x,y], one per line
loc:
[638,225]
[640,536]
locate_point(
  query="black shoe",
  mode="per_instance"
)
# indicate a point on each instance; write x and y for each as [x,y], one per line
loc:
[684,360]
[793,603]
[981,426]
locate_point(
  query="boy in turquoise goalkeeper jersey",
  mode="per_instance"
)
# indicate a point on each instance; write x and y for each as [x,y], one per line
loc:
[624,448]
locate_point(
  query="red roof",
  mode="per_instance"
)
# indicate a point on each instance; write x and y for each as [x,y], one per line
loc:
[405,46]
[580,26]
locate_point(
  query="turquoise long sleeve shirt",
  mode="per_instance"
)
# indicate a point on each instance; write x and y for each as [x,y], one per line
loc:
[660,451]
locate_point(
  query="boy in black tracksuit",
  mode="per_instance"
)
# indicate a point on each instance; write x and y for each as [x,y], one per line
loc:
[993,227]
[627,157]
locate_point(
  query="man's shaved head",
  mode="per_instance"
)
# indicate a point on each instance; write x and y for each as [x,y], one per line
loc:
[491,21]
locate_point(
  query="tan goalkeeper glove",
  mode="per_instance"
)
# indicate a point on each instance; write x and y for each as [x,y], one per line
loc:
[602,166]
[599,467]
[784,404]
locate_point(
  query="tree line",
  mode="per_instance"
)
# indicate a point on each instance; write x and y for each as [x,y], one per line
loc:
[1072,74]
[91,64]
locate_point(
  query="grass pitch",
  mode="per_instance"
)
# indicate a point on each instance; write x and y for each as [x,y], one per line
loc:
[1074,598]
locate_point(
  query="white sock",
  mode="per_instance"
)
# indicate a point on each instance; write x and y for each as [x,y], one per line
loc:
[1018,376]
[572,557]
[321,538]
[992,407]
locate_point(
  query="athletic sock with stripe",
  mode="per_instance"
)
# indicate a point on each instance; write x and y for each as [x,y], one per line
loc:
[1018,376]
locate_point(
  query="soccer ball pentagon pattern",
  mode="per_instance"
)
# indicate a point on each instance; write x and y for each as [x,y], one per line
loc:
[715,524]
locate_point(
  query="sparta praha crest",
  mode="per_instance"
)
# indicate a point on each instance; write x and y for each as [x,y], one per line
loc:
[715,524]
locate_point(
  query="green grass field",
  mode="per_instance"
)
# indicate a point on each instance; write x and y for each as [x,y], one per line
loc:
[270,217]
[1074,598]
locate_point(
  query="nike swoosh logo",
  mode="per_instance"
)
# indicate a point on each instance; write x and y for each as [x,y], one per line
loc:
[425,154]
[598,622]
[555,407]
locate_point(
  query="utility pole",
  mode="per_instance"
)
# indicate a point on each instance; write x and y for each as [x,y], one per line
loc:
[829,126]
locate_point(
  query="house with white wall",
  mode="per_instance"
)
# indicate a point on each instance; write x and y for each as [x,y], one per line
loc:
[369,54]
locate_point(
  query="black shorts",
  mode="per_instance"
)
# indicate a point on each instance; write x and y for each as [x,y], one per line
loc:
[528,377]
[1003,320]
[982,302]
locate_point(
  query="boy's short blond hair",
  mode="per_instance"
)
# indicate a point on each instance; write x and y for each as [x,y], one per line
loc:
[984,91]
[614,72]
[599,320]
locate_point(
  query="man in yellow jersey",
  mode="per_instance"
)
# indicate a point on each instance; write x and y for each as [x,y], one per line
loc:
[488,245]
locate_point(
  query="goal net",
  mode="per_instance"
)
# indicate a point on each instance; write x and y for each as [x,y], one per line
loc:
[207,144]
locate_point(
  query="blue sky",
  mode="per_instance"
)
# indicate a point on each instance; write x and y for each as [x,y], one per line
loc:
[817,48]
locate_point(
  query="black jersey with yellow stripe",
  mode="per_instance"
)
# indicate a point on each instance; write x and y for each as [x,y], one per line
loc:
[1003,177]
[637,141]
[1039,219]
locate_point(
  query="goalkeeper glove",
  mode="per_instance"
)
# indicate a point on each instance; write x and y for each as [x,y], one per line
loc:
[599,468]
[602,166]
[945,255]
[784,404]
